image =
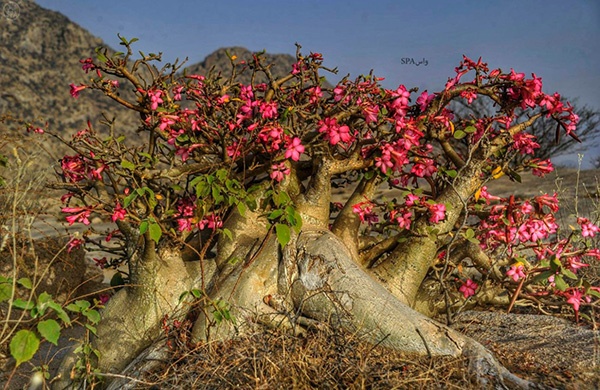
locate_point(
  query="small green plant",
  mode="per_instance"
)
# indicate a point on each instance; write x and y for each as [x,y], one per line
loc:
[25,342]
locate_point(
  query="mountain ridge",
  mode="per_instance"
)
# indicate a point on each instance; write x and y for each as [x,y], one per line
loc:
[40,51]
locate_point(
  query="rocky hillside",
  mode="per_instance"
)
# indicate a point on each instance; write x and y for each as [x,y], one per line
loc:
[219,61]
[40,52]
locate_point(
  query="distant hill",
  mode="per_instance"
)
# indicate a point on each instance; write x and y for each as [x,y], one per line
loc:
[40,52]
[281,64]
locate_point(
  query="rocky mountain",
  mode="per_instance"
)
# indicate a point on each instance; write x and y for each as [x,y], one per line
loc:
[40,52]
[281,64]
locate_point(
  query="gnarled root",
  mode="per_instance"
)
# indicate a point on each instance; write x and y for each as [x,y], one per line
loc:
[331,287]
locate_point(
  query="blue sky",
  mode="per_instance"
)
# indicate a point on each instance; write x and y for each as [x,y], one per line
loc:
[558,40]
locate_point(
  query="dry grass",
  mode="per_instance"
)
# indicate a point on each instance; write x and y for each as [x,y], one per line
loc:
[325,359]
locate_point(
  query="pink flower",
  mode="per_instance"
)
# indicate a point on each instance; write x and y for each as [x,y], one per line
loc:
[574,298]
[315,94]
[424,167]
[365,212]
[268,110]
[75,89]
[177,91]
[295,149]
[371,112]
[155,99]
[525,143]
[516,272]
[424,99]
[411,200]
[167,120]
[119,213]
[37,130]
[334,132]
[279,171]
[185,224]
[588,229]
[74,243]
[211,221]
[541,167]
[403,219]
[468,288]
[80,214]
[469,94]
[438,212]
[87,64]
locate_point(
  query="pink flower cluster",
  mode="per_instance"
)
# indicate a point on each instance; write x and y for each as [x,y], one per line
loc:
[365,212]
[334,132]
[512,222]
[468,288]
[187,220]
[77,168]
[588,229]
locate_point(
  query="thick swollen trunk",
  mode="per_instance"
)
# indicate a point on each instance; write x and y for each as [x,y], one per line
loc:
[313,279]
[403,271]
[131,319]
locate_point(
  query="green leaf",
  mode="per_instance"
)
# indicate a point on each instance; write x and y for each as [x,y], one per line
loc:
[451,173]
[470,129]
[216,194]
[73,307]
[227,233]
[25,282]
[569,274]
[117,280]
[23,304]
[275,214]
[196,293]
[201,189]
[282,198]
[128,165]
[560,283]
[459,134]
[60,312]
[543,276]
[129,198]
[469,233]
[241,206]
[143,227]
[155,232]
[101,57]
[44,298]
[50,330]
[24,345]
[283,234]
[298,219]
[5,291]
[92,315]
[91,328]
[83,305]
[593,293]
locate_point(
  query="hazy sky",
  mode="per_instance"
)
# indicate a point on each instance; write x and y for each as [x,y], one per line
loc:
[558,40]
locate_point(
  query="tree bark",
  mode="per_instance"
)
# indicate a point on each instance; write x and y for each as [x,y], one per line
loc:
[404,270]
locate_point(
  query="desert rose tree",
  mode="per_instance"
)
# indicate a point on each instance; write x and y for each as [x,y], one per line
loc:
[287,203]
